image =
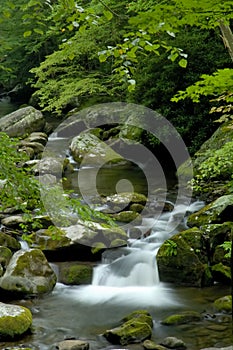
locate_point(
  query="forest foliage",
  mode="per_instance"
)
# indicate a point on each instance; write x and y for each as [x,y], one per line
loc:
[78,53]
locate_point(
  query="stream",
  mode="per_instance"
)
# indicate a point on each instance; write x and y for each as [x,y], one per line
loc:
[125,280]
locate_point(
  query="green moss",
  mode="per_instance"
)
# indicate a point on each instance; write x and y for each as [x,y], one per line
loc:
[182,318]
[128,216]
[221,273]
[76,274]
[13,325]
[224,303]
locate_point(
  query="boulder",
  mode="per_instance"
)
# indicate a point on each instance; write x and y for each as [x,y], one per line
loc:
[223,304]
[9,241]
[217,212]
[221,273]
[182,318]
[88,149]
[124,200]
[14,320]
[75,274]
[179,260]
[151,345]
[5,256]
[21,122]
[28,273]
[135,328]
[173,343]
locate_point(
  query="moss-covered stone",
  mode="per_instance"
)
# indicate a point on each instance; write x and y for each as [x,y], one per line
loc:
[219,211]
[128,216]
[221,273]
[224,304]
[28,273]
[151,345]
[5,256]
[179,263]
[8,241]
[217,233]
[182,318]
[135,328]
[14,320]
[76,274]
[136,207]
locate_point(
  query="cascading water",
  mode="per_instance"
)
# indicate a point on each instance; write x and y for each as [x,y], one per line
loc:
[129,276]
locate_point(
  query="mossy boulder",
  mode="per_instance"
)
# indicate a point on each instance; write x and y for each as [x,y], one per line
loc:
[223,304]
[14,321]
[217,212]
[124,200]
[182,318]
[217,234]
[9,241]
[134,328]
[221,273]
[128,216]
[28,273]
[76,274]
[90,150]
[5,256]
[179,260]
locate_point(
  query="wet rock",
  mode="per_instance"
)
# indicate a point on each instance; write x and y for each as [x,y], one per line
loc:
[36,146]
[13,221]
[223,303]
[221,273]
[49,165]
[134,328]
[28,273]
[225,348]
[39,137]
[90,150]
[9,241]
[123,201]
[179,261]
[182,318]
[14,320]
[75,274]
[22,122]
[72,345]
[217,234]
[5,256]
[173,343]
[150,345]
[128,216]
[217,212]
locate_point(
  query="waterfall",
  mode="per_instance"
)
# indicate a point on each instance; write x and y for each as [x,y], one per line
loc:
[129,276]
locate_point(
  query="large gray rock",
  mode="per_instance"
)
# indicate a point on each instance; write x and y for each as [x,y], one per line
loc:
[14,320]
[72,345]
[22,122]
[90,150]
[28,273]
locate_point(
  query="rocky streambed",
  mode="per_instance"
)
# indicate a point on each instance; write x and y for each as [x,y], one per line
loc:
[190,303]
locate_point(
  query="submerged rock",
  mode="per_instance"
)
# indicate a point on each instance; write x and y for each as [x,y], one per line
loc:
[173,343]
[182,318]
[28,273]
[72,345]
[151,345]
[75,274]
[135,328]
[14,320]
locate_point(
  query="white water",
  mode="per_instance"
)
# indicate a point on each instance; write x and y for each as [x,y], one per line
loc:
[129,276]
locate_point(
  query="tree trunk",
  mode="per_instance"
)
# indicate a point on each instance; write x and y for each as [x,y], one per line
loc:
[227,37]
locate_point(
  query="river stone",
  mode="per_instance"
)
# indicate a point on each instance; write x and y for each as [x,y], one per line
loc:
[13,220]
[28,273]
[150,345]
[217,212]
[38,137]
[9,241]
[134,328]
[90,150]
[128,216]
[182,318]
[221,273]
[72,345]
[226,348]
[173,343]
[22,122]
[75,274]
[14,320]
[124,200]
[223,303]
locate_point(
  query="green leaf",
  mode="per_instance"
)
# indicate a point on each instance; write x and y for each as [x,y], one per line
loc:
[27,33]
[183,63]
[102,58]
[38,31]
[108,15]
